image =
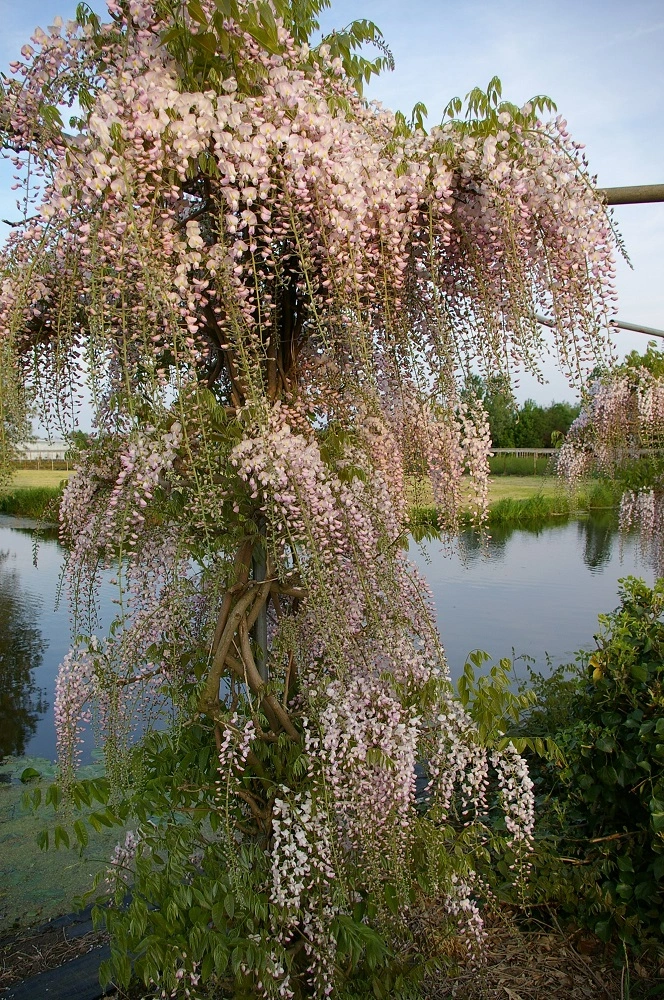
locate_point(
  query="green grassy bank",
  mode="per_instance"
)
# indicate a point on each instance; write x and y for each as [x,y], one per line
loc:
[39,502]
[33,493]
[523,500]
[512,499]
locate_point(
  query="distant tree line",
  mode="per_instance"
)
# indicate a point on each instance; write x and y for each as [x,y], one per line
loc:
[527,426]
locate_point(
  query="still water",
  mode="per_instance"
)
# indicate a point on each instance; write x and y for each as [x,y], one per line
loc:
[534,591]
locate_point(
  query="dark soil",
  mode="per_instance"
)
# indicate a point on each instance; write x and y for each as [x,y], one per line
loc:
[30,952]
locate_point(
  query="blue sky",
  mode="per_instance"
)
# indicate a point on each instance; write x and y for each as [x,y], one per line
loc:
[601,62]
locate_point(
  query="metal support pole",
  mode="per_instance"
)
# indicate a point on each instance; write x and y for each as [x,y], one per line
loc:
[619,324]
[637,194]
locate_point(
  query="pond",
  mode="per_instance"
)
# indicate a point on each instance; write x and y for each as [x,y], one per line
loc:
[533,591]
[536,591]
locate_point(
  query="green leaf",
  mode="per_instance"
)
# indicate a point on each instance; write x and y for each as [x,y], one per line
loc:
[93,820]
[639,672]
[605,743]
[29,774]
[207,42]
[645,890]
[52,116]
[207,967]
[53,796]
[658,821]
[60,837]
[102,818]
[81,833]
[603,930]
[391,898]
[196,12]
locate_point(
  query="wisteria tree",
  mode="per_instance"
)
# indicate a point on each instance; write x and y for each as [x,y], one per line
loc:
[620,433]
[273,291]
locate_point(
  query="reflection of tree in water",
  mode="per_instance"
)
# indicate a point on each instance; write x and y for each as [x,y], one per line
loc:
[473,545]
[21,651]
[597,533]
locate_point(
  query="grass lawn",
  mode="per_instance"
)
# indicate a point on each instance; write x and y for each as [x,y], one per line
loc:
[521,487]
[500,488]
[30,479]
[511,487]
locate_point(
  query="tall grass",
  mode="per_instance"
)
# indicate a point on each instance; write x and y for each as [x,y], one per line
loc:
[598,495]
[41,503]
[526,465]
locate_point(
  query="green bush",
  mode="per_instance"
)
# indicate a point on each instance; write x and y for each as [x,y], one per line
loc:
[600,851]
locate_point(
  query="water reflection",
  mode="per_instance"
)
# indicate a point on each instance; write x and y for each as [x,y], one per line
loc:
[22,701]
[533,589]
[597,534]
[536,589]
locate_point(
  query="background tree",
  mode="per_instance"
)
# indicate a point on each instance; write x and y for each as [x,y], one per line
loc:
[534,424]
[274,291]
[512,426]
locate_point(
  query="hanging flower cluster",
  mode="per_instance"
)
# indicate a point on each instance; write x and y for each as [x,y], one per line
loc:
[271,293]
[643,510]
[302,890]
[621,426]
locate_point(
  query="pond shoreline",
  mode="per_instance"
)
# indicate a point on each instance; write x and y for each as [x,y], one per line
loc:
[545,497]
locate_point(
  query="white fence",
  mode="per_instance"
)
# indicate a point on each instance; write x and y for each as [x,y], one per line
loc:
[524,452]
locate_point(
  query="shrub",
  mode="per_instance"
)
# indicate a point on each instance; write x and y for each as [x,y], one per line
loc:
[520,465]
[603,809]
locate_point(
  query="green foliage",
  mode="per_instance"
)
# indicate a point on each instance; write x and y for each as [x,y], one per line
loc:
[494,706]
[482,109]
[536,425]
[537,510]
[78,441]
[194,897]
[528,426]
[199,898]
[651,360]
[602,812]
[210,53]
[40,502]
[520,465]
